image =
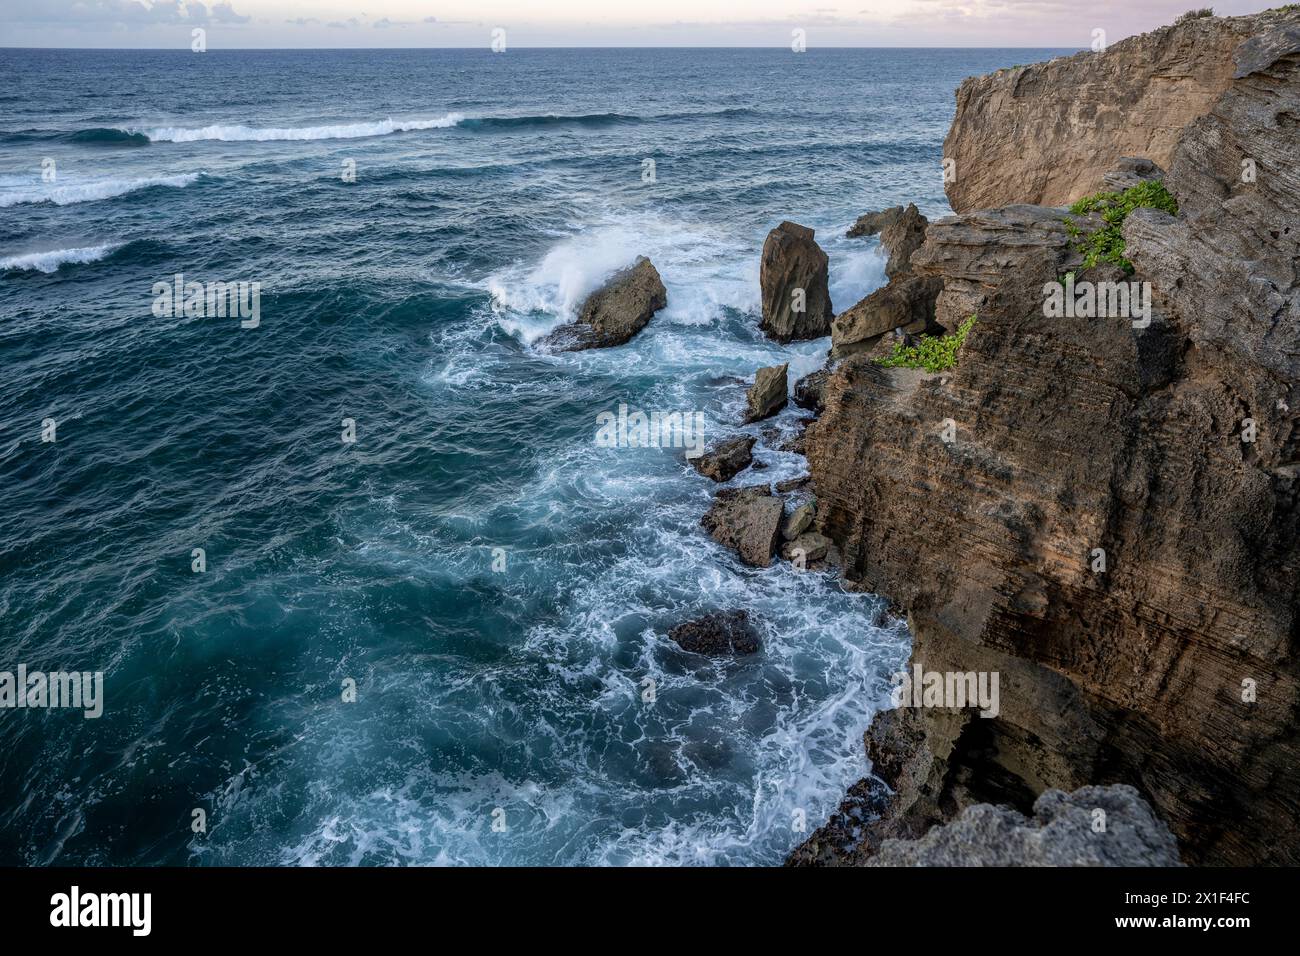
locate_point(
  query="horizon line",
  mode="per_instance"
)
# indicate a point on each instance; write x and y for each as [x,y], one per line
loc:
[344,49]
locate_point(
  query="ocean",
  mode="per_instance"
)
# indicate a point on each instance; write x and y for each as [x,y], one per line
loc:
[495,586]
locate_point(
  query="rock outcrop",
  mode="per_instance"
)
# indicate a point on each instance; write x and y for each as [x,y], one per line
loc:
[1105,515]
[1047,134]
[907,302]
[748,521]
[615,312]
[717,634]
[870,224]
[769,393]
[726,459]
[1094,826]
[794,277]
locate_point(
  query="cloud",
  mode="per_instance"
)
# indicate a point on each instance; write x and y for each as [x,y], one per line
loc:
[121,13]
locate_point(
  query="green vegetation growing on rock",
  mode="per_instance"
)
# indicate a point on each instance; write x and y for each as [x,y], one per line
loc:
[934,353]
[1107,243]
[1200,14]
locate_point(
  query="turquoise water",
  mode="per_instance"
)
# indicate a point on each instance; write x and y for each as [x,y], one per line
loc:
[410,300]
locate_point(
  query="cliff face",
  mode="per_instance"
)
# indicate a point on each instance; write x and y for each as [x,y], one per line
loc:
[1048,133]
[978,499]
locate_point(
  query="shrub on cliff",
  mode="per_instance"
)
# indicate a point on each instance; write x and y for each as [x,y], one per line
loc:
[1107,243]
[1200,14]
[934,353]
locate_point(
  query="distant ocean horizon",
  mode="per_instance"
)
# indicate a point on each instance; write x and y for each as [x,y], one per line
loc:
[495,586]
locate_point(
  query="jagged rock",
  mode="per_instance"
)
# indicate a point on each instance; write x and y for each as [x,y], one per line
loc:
[747,520]
[1131,171]
[907,303]
[793,484]
[808,390]
[976,253]
[1048,133]
[769,393]
[722,632]
[799,521]
[726,459]
[793,261]
[1061,832]
[1080,434]
[615,312]
[811,545]
[901,237]
[871,223]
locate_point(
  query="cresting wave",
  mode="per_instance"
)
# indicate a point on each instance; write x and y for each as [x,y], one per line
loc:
[230,134]
[50,261]
[242,133]
[16,193]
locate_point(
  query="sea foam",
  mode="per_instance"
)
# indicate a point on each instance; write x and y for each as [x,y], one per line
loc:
[180,134]
[15,192]
[50,261]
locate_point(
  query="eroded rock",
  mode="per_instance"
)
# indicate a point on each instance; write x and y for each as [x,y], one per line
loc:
[615,312]
[726,459]
[794,279]
[769,393]
[748,521]
[716,634]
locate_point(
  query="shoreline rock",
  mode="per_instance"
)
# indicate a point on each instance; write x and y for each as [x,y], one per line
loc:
[717,634]
[794,279]
[769,393]
[615,312]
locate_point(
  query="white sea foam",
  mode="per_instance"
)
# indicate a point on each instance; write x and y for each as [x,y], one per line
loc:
[15,191]
[181,134]
[51,260]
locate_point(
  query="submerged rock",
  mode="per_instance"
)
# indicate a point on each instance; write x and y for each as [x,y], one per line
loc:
[769,393]
[726,459]
[722,632]
[615,312]
[1063,831]
[747,520]
[794,279]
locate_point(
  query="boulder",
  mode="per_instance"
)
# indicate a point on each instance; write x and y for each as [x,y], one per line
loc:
[769,393]
[615,312]
[1131,171]
[794,484]
[906,303]
[747,520]
[900,238]
[719,633]
[811,545]
[808,391]
[799,521]
[871,223]
[726,459]
[793,263]
[1061,832]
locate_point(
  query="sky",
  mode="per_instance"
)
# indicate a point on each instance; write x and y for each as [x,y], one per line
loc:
[248,24]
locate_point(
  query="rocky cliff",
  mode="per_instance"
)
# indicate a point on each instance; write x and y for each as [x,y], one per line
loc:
[1049,132]
[1103,512]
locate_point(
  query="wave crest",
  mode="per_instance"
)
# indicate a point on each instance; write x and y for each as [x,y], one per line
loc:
[241,134]
[24,192]
[50,261]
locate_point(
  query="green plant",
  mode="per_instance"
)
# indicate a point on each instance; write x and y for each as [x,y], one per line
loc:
[1196,14]
[934,353]
[1107,243]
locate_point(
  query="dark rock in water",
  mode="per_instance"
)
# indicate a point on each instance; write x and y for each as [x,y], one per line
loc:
[615,312]
[872,222]
[723,632]
[809,390]
[1061,832]
[794,484]
[769,393]
[726,459]
[902,237]
[794,280]
[747,520]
